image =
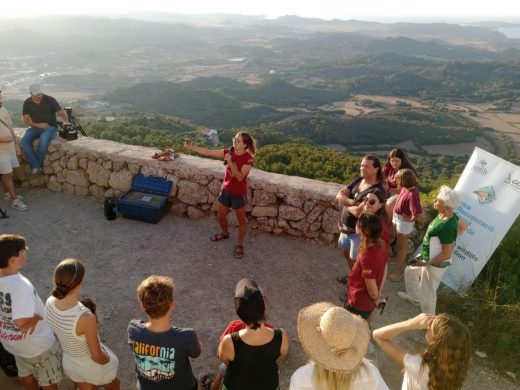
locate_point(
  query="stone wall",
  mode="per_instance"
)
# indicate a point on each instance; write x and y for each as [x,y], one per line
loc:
[278,204]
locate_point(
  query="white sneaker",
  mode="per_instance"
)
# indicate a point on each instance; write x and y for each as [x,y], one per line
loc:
[19,205]
[405,297]
[8,197]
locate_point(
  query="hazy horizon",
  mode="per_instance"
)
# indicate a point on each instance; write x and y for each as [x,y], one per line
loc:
[400,10]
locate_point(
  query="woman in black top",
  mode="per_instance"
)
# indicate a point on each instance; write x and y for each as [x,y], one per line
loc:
[251,353]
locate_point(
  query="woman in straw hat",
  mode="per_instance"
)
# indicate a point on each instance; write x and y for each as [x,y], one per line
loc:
[443,364]
[336,342]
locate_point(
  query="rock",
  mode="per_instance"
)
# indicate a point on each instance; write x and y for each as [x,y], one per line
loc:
[293,200]
[77,178]
[96,191]
[215,186]
[67,188]
[107,165]
[328,237]
[121,180]
[179,209]
[53,184]
[97,174]
[481,354]
[282,223]
[291,213]
[265,211]
[72,164]
[315,213]
[263,198]
[265,228]
[302,225]
[192,193]
[194,213]
[329,221]
[308,206]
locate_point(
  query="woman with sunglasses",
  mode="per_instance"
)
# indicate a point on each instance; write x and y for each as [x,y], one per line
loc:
[238,161]
[367,276]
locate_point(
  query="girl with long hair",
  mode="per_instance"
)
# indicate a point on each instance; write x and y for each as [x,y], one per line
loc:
[86,361]
[443,364]
[336,343]
[366,278]
[238,161]
[395,161]
[407,210]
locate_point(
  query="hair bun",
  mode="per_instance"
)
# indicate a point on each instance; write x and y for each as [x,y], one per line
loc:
[60,291]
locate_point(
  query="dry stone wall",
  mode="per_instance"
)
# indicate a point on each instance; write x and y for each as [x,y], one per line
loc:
[277,204]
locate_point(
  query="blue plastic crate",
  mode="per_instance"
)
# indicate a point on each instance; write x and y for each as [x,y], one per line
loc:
[147,200]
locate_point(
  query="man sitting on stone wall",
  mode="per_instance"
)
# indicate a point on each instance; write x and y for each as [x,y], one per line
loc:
[39,113]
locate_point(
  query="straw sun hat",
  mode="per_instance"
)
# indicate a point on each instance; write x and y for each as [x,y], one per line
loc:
[333,337]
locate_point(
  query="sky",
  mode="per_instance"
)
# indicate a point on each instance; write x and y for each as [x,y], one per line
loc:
[326,9]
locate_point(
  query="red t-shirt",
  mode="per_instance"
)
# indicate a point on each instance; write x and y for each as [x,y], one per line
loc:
[236,325]
[408,202]
[386,233]
[369,265]
[231,184]
[389,173]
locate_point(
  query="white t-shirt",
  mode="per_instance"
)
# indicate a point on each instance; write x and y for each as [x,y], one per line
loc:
[368,378]
[414,378]
[6,147]
[19,299]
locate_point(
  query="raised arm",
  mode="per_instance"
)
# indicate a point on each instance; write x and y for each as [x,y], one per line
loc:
[204,151]
[384,336]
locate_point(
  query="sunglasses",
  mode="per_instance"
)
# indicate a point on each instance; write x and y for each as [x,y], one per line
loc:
[371,202]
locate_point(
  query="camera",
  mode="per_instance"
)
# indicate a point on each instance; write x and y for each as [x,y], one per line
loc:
[69,131]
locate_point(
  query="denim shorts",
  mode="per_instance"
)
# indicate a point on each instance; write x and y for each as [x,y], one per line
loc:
[349,242]
[232,201]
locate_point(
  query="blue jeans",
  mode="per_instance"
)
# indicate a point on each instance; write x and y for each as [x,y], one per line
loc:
[35,158]
[349,242]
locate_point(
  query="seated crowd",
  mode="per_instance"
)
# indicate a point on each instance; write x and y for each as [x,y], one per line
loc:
[60,338]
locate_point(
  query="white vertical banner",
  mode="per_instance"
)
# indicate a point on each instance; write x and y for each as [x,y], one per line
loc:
[490,191]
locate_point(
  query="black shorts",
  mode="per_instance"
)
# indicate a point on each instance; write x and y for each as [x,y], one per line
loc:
[232,201]
[353,310]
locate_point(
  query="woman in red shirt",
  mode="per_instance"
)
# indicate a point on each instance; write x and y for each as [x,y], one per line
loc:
[238,161]
[366,278]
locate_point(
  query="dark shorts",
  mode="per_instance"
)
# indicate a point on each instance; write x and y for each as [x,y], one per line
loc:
[353,310]
[232,201]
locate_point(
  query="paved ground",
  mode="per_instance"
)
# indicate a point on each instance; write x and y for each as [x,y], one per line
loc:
[119,254]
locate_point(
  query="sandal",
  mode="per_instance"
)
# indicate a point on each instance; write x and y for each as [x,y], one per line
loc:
[219,236]
[206,381]
[239,252]
[395,277]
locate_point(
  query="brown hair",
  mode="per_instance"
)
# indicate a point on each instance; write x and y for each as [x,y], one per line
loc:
[10,245]
[447,355]
[400,154]
[67,275]
[406,178]
[155,293]
[249,141]
[381,196]
[376,163]
[370,231]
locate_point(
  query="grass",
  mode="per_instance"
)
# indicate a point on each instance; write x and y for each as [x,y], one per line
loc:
[494,327]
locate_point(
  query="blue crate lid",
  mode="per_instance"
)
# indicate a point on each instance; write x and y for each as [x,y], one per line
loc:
[154,185]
